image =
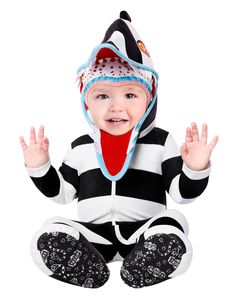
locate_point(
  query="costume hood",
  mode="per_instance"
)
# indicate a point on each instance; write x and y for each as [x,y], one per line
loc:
[120,41]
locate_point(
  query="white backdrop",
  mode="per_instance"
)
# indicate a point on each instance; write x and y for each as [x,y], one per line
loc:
[193,47]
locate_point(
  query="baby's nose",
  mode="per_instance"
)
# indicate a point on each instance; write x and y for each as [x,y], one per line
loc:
[116,105]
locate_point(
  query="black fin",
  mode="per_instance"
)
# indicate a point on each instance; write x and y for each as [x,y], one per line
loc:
[124,15]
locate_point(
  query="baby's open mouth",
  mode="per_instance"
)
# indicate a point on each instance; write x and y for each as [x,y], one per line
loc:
[118,121]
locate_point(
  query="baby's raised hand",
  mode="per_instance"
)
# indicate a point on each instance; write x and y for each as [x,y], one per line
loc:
[36,154]
[195,152]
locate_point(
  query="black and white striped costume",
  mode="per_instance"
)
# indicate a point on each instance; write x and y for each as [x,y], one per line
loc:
[156,167]
[113,215]
[118,219]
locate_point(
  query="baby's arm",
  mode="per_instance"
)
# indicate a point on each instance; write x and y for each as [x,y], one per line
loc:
[182,182]
[60,186]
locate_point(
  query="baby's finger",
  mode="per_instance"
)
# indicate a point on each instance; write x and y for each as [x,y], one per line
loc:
[195,131]
[188,136]
[23,143]
[32,136]
[204,134]
[212,144]
[183,150]
[40,133]
[45,144]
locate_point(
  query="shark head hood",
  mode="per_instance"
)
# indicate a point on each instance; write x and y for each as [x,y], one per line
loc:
[121,57]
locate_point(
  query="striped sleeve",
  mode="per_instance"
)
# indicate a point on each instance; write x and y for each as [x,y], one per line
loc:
[183,184]
[61,186]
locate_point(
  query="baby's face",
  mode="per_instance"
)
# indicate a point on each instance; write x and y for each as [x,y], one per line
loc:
[116,107]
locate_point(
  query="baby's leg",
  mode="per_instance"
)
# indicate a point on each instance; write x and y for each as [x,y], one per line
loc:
[61,251]
[162,251]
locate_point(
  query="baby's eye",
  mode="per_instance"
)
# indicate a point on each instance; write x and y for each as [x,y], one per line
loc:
[101,96]
[130,95]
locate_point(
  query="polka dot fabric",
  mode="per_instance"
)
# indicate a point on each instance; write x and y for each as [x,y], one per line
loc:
[114,67]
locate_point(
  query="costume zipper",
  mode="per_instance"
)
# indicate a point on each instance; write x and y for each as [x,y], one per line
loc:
[113,194]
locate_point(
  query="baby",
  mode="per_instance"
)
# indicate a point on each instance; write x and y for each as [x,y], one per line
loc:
[119,175]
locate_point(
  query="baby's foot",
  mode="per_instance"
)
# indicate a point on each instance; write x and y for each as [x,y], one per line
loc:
[73,261]
[152,260]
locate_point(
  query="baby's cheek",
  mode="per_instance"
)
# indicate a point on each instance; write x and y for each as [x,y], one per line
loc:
[138,113]
[96,114]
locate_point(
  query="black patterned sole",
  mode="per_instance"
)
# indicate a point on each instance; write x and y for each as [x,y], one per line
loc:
[73,261]
[152,260]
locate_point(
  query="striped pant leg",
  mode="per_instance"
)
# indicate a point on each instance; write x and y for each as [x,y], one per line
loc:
[61,249]
[163,251]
